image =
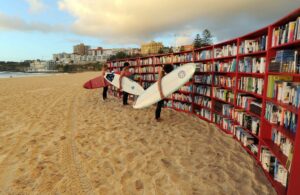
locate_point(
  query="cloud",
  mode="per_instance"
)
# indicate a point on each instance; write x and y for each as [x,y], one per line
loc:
[35,6]
[135,21]
[18,24]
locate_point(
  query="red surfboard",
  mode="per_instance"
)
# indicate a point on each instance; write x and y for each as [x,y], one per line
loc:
[96,83]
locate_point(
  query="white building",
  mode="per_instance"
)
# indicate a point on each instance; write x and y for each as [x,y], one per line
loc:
[42,66]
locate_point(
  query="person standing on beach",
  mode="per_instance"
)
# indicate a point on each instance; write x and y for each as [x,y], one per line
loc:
[105,88]
[167,68]
[124,72]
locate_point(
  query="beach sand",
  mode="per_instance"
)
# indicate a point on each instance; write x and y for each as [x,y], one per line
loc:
[58,138]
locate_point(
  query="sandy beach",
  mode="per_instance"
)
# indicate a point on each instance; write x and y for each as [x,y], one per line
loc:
[58,138]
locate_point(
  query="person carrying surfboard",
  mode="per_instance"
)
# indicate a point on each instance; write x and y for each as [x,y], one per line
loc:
[167,68]
[124,72]
[105,88]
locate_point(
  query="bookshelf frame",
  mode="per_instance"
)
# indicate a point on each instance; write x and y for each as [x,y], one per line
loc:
[264,136]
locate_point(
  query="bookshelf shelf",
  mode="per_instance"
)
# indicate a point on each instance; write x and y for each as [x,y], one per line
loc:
[252,53]
[248,92]
[289,45]
[225,58]
[248,112]
[225,102]
[204,107]
[252,74]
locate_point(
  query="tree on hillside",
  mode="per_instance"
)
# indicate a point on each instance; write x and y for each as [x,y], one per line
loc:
[161,51]
[206,38]
[197,41]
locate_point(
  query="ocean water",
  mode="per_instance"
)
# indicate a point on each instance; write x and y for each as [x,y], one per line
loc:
[21,74]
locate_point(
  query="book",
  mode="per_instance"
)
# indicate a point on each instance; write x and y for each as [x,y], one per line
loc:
[228,66]
[253,45]
[224,81]
[251,84]
[252,65]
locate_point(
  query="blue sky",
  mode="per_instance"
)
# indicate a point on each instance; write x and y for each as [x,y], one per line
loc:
[35,29]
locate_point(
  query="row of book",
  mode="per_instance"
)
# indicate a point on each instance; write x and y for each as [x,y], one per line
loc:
[226,50]
[203,55]
[249,103]
[250,123]
[277,115]
[252,65]
[282,142]
[148,77]
[227,110]
[182,97]
[147,69]
[146,61]
[251,84]
[203,79]
[254,45]
[287,92]
[182,106]
[187,57]
[187,88]
[246,139]
[228,124]
[203,90]
[162,60]
[121,64]
[273,167]
[202,101]
[223,94]
[205,113]
[285,61]
[204,67]
[228,66]
[168,104]
[224,81]
[286,33]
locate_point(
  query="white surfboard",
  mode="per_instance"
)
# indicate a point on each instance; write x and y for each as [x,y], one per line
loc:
[128,85]
[169,84]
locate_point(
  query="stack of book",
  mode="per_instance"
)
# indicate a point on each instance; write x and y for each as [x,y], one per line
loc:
[146,61]
[223,94]
[279,116]
[224,81]
[252,65]
[285,61]
[251,84]
[203,55]
[225,51]
[203,90]
[182,106]
[203,79]
[147,69]
[187,88]
[225,66]
[249,122]
[203,101]
[182,97]
[254,45]
[187,57]
[204,67]
[286,33]
[271,165]
[203,112]
[282,142]
[246,139]
[287,93]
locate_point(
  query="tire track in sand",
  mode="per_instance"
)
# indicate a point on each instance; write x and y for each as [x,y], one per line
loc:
[78,180]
